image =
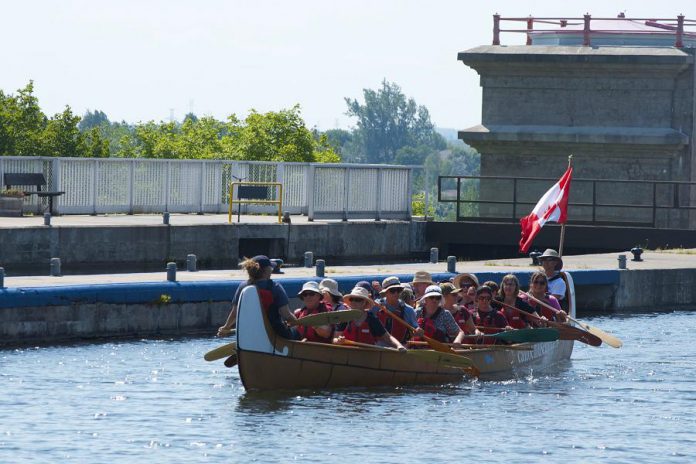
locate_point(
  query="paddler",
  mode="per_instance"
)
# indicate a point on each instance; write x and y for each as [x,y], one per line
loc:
[311,297]
[509,294]
[461,315]
[435,321]
[552,265]
[391,289]
[274,300]
[368,329]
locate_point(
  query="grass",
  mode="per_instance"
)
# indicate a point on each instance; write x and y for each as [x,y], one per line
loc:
[677,251]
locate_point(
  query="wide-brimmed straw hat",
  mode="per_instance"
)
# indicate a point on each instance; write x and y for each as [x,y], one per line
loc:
[310,287]
[422,277]
[457,281]
[552,254]
[359,292]
[331,286]
[432,290]
[389,283]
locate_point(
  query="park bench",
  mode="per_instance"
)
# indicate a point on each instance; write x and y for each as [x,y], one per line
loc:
[14,179]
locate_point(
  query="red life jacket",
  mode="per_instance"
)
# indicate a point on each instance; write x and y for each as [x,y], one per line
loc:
[461,316]
[428,326]
[490,319]
[309,332]
[543,310]
[359,332]
[397,330]
[266,298]
[515,320]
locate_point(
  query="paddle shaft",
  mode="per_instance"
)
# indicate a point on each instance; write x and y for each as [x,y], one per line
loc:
[469,347]
[434,344]
[578,334]
[606,338]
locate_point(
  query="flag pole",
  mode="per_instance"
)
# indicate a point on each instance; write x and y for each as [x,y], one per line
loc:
[560,245]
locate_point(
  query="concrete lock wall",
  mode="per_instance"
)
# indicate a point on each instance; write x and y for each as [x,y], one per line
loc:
[149,248]
[622,112]
[45,315]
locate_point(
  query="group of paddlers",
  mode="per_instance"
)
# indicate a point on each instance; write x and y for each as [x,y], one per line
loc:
[396,314]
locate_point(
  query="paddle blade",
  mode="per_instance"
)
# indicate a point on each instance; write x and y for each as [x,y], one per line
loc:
[528,335]
[568,332]
[220,352]
[231,361]
[331,317]
[605,337]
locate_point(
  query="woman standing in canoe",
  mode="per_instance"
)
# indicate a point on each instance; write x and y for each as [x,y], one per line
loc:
[274,300]
[509,294]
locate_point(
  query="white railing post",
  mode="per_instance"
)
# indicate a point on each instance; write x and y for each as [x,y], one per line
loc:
[167,187]
[378,202]
[93,193]
[280,177]
[311,173]
[201,189]
[131,185]
[55,180]
[346,191]
[409,194]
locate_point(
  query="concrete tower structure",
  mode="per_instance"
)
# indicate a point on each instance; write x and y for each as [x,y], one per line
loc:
[620,98]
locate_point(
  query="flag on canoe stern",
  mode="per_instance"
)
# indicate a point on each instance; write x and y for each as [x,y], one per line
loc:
[552,207]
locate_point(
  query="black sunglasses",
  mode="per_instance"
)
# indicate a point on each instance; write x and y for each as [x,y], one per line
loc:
[394,290]
[355,300]
[306,294]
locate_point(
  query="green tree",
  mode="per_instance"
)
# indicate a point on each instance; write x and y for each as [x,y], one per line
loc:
[275,136]
[388,121]
[92,119]
[61,137]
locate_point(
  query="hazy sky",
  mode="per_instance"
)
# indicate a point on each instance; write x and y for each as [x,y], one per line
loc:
[138,60]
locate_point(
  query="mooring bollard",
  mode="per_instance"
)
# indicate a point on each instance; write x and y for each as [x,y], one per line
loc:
[452,264]
[535,258]
[434,252]
[2,277]
[47,219]
[321,266]
[622,261]
[165,218]
[308,259]
[171,272]
[191,263]
[55,267]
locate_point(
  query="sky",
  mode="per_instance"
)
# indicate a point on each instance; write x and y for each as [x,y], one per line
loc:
[148,60]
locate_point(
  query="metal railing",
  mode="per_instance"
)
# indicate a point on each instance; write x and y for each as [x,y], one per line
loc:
[141,186]
[669,27]
[612,202]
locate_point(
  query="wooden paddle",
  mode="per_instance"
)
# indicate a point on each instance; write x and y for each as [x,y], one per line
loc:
[231,361]
[220,352]
[566,332]
[606,338]
[445,359]
[468,347]
[331,317]
[434,344]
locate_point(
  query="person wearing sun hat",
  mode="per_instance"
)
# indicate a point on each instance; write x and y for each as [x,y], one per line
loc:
[311,297]
[552,264]
[435,321]
[332,297]
[274,300]
[391,289]
[368,329]
[461,315]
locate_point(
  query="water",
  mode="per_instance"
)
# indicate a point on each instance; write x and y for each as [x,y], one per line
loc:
[159,401]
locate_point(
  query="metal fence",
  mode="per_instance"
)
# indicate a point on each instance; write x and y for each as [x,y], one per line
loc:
[135,186]
[607,202]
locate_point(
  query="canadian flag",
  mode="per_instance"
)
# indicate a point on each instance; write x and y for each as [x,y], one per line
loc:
[553,207]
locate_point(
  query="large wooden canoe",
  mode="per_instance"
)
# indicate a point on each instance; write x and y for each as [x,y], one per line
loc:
[270,362]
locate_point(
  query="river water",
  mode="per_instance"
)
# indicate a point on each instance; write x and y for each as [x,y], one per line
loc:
[157,401]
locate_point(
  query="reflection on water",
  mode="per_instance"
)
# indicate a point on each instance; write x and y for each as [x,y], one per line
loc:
[158,400]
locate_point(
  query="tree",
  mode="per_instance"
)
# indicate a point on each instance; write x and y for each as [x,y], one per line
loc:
[388,121]
[92,119]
